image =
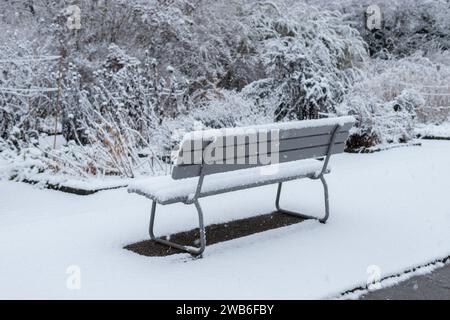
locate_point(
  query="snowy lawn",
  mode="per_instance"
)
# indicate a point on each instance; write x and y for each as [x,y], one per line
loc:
[390,209]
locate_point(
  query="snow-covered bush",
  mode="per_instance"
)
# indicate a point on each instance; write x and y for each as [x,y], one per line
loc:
[309,58]
[305,60]
[27,80]
[109,125]
[113,121]
[290,61]
[407,25]
[381,122]
[389,96]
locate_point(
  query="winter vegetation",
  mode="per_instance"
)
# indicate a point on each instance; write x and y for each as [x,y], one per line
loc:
[111,98]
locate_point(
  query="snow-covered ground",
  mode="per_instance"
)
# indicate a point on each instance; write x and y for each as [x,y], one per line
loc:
[389,211]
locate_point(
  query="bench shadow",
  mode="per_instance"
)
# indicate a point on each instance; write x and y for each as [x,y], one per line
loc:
[216,233]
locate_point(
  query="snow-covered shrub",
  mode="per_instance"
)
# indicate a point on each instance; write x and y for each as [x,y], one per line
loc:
[306,54]
[112,122]
[407,25]
[390,95]
[309,56]
[27,80]
[230,109]
[109,125]
[19,162]
[381,122]
[305,60]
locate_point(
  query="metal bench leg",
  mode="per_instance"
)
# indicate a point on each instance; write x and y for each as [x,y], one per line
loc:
[191,250]
[302,216]
[327,204]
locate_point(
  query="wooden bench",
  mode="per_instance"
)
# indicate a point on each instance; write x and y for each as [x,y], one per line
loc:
[241,158]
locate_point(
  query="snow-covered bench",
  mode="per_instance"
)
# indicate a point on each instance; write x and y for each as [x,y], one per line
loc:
[212,162]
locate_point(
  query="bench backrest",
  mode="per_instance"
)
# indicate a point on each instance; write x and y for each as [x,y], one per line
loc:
[216,151]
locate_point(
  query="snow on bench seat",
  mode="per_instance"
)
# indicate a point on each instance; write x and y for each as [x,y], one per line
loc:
[166,190]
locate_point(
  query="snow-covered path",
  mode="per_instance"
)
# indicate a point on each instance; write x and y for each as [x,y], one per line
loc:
[388,209]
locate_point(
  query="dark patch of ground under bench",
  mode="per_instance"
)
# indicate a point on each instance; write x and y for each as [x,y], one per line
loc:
[216,233]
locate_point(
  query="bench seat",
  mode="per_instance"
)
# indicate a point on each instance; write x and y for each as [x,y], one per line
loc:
[166,190]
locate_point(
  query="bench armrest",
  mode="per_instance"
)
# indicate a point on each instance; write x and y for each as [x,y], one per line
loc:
[329,151]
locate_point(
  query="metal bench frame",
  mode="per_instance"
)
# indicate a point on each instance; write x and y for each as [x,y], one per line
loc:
[196,251]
